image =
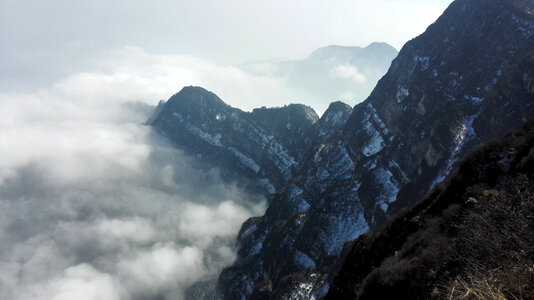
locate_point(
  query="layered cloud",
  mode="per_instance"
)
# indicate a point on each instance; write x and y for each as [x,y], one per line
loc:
[350,72]
[94,204]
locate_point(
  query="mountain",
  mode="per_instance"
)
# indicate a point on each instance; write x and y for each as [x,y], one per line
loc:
[257,149]
[471,237]
[345,73]
[464,81]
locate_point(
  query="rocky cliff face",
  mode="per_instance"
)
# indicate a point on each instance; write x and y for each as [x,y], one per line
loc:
[258,149]
[462,82]
[247,147]
[470,237]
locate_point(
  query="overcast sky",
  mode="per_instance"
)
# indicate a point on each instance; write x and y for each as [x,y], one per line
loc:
[43,40]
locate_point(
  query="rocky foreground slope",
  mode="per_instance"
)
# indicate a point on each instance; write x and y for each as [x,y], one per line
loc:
[466,80]
[472,237]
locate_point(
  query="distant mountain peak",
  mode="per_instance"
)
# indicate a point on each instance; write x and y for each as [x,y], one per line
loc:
[337,105]
[337,114]
[338,50]
[258,148]
[347,73]
[380,45]
[293,109]
[195,94]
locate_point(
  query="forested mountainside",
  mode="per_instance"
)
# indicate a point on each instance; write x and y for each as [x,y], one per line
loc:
[472,237]
[466,80]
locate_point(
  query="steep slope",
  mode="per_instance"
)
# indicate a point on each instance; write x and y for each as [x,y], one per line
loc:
[462,82]
[257,149]
[246,147]
[471,238]
[334,72]
[332,121]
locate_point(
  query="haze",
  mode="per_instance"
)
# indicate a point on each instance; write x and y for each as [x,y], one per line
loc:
[42,41]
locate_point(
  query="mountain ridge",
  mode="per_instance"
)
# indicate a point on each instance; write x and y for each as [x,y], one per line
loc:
[418,122]
[263,151]
[464,81]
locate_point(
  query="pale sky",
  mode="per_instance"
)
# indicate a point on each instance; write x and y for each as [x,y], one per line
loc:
[43,40]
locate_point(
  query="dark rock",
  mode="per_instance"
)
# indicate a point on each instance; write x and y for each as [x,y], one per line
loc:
[464,81]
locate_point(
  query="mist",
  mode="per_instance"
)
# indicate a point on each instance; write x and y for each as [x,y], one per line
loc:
[44,41]
[94,205]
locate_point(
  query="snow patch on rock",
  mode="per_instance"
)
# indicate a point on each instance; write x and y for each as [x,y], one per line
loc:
[245,160]
[424,61]
[374,144]
[346,225]
[303,261]
[206,137]
[402,93]
[525,27]
[342,228]
[248,231]
[388,186]
[338,165]
[317,157]
[464,134]
[337,119]
[269,187]
[473,99]
[295,191]
[302,205]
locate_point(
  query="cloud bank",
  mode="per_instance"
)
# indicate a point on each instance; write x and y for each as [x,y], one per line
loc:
[94,205]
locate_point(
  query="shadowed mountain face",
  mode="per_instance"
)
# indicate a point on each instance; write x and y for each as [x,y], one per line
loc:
[258,149]
[472,236]
[464,81]
[332,73]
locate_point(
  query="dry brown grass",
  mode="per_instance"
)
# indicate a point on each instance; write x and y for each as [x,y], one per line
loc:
[492,285]
[477,286]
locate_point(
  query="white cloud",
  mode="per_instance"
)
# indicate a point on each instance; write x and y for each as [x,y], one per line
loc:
[160,269]
[94,205]
[77,282]
[206,223]
[350,72]
[135,74]
[82,282]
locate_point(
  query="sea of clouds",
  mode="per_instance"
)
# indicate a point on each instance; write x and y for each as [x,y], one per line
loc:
[94,204]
